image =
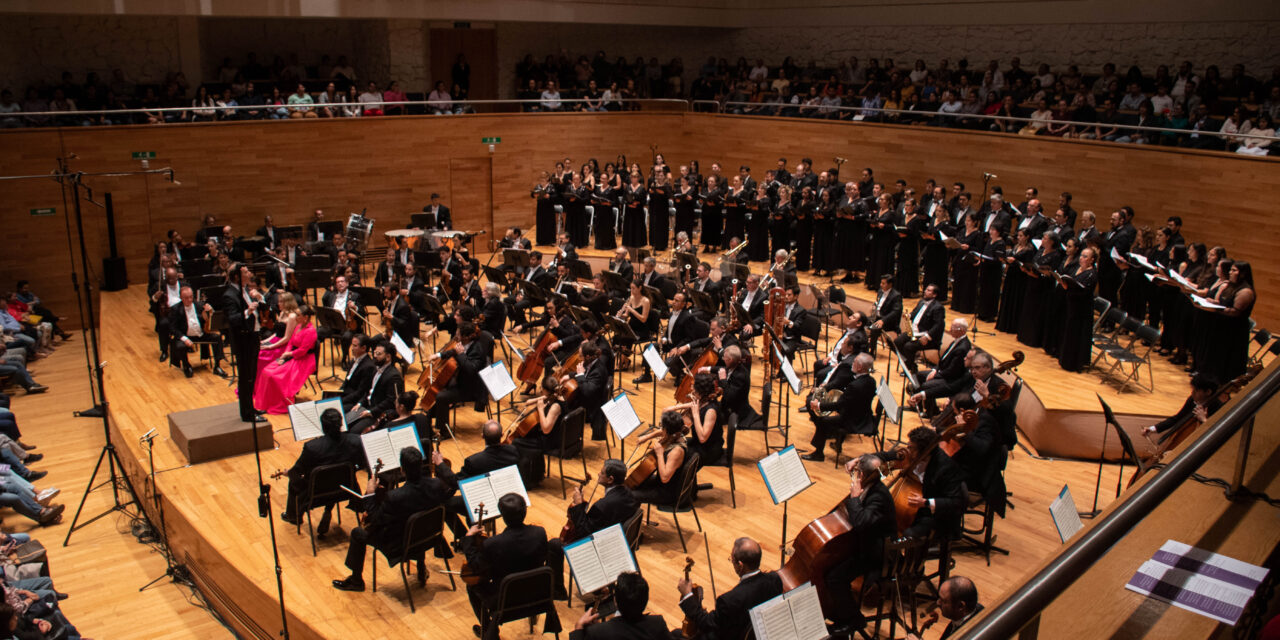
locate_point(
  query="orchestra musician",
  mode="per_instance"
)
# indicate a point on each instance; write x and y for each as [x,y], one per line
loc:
[520,547]
[519,304]
[958,601]
[1199,406]
[853,408]
[631,592]
[616,506]
[734,374]
[398,311]
[334,447]
[568,335]
[202,235]
[718,338]
[468,289]
[440,212]
[379,403]
[870,511]
[359,378]
[927,320]
[165,293]
[794,317]
[886,314]
[705,420]
[684,245]
[637,312]
[682,328]
[941,508]
[731,618]
[752,301]
[240,304]
[621,265]
[565,250]
[495,455]
[385,522]
[593,388]
[982,455]
[344,301]
[855,334]
[669,446]
[269,233]
[514,239]
[388,269]
[591,334]
[546,436]
[782,271]
[466,385]
[187,326]
[702,282]
[650,277]
[493,312]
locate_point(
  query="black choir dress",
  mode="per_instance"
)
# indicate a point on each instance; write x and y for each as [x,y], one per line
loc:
[759,210]
[964,296]
[824,234]
[1203,322]
[1014,291]
[735,218]
[1134,289]
[785,226]
[1227,339]
[575,215]
[544,216]
[712,202]
[1077,322]
[1178,312]
[659,215]
[634,227]
[908,279]
[990,277]
[850,235]
[880,255]
[686,210]
[934,261]
[1055,305]
[603,221]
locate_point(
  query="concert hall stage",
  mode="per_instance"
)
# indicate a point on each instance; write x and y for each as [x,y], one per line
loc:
[212,518]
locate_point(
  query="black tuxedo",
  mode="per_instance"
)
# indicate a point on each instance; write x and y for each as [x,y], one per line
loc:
[387,518]
[731,617]
[271,235]
[617,505]
[466,385]
[386,271]
[853,412]
[356,385]
[930,323]
[404,321]
[871,517]
[178,331]
[1036,226]
[593,391]
[653,279]
[755,310]
[443,219]
[820,365]
[519,548]
[381,399]
[951,360]
[682,330]
[325,450]
[623,268]
[737,389]
[324,333]
[242,332]
[495,315]
[491,458]
[944,485]
[649,627]
[981,460]
[791,337]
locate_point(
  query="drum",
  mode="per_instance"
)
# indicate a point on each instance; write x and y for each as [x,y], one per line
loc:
[359,228]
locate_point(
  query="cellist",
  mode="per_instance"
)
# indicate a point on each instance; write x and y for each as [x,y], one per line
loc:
[465,385]
[547,409]
[940,504]
[869,509]
[1199,406]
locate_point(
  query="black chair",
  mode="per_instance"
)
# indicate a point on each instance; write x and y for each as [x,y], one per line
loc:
[572,428]
[684,500]
[1103,338]
[810,329]
[422,532]
[631,528]
[1261,338]
[324,489]
[523,595]
[1133,356]
[1100,306]
[726,458]
[900,575]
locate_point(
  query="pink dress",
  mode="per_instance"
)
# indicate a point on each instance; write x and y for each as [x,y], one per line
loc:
[277,384]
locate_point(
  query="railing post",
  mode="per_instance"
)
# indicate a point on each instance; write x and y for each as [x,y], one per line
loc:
[1242,457]
[1032,630]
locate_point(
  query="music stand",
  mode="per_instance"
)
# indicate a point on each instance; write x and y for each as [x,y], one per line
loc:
[312,279]
[331,229]
[495,275]
[702,300]
[422,220]
[334,321]
[314,261]
[369,297]
[517,259]
[739,271]
[206,281]
[620,329]
[1129,451]
[657,301]
[613,281]
[532,291]
[685,261]
[195,267]
[579,269]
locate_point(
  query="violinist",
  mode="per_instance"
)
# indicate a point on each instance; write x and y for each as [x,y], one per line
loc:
[992,392]
[591,335]
[187,323]
[669,446]
[953,367]
[334,447]
[468,290]
[854,333]
[359,376]
[520,547]
[941,507]
[384,389]
[450,272]
[1201,404]
[632,594]
[731,618]
[869,509]
[853,408]
[548,408]
[405,405]
[494,456]
[344,301]
[493,312]
[384,528]
[615,507]
[593,381]
[165,293]
[466,385]
[734,374]
[280,274]
[704,418]
[399,313]
[387,269]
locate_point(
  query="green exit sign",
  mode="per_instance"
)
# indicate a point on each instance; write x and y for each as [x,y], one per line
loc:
[47,211]
[144,155]
[490,140]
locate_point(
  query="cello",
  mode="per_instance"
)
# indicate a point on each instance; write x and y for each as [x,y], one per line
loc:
[531,368]
[906,485]
[436,374]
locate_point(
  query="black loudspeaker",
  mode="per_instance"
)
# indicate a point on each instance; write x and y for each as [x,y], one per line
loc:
[114,277]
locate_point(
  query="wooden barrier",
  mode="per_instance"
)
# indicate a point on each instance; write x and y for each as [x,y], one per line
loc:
[242,171]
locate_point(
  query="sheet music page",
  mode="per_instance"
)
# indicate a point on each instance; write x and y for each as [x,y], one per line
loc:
[475,492]
[1142,260]
[656,363]
[621,415]
[1205,302]
[404,436]
[806,612]
[401,348]
[784,473]
[305,421]
[1065,516]
[1181,279]
[789,372]
[497,380]
[507,480]
[887,400]
[1116,257]
[771,620]
[377,446]
[614,552]
[1037,242]
[331,403]
[584,564]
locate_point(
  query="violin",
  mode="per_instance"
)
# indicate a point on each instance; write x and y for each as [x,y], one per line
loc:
[471,575]
[279,473]
[947,416]
[379,491]
[569,532]
[646,466]
[689,628]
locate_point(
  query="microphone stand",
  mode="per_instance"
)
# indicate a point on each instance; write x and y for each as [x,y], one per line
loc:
[973,329]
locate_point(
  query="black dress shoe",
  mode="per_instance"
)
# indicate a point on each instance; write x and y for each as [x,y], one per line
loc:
[816,456]
[260,418]
[642,379]
[217,371]
[475,628]
[33,457]
[36,475]
[291,520]
[163,356]
[351,583]
[188,371]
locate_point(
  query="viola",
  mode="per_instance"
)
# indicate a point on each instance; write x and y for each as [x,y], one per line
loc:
[689,628]
[471,575]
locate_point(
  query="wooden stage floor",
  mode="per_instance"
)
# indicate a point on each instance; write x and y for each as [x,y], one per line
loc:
[211,510]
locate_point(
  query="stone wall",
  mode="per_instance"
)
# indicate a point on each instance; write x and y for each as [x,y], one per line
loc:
[410,54]
[35,50]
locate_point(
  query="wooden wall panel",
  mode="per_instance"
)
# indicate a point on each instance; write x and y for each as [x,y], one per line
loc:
[242,171]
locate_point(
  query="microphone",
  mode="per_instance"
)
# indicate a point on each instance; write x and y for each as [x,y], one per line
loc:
[989,176]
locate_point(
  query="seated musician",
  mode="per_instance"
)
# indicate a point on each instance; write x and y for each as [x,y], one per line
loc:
[614,507]
[520,547]
[564,249]
[385,522]
[566,284]
[591,334]
[993,392]
[650,277]
[734,374]
[186,324]
[1199,406]
[493,312]
[466,385]
[887,313]
[941,507]
[450,272]
[683,244]
[468,289]
[854,333]
[385,387]
[461,314]
[717,338]
[782,271]
[568,336]
[668,446]
[359,376]
[631,591]
[702,282]
[334,447]
[706,422]
[494,456]
[982,455]
[280,273]
[594,385]
[870,511]
[621,265]
[514,239]
[413,280]
[398,311]
[734,254]
[547,409]
[597,298]
[519,304]
[958,601]
[731,617]
[927,320]
[165,293]
[388,269]
[682,328]
[951,375]
[794,315]
[835,376]
[853,408]
[406,403]
[752,301]
[346,302]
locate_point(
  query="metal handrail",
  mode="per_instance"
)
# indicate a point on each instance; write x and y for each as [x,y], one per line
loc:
[1021,607]
[984,117]
[332,105]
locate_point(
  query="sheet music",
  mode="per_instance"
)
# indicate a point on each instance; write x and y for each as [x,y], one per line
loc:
[1180,279]
[621,415]
[784,474]
[1037,242]
[1116,257]
[404,436]
[584,564]
[887,400]
[1205,302]
[507,480]
[1142,260]
[788,371]
[305,421]
[1187,590]
[771,620]
[806,612]
[402,348]
[1210,564]
[497,380]
[614,552]
[476,491]
[656,362]
[1065,516]
[377,446]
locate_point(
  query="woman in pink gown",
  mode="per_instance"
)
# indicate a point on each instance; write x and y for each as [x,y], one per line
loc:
[280,380]
[278,343]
